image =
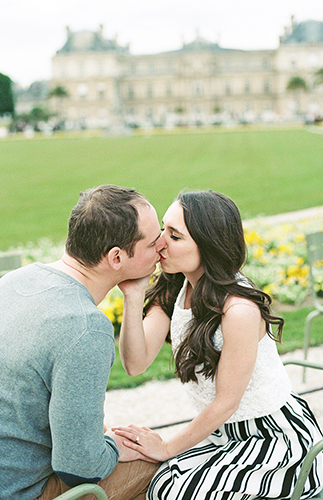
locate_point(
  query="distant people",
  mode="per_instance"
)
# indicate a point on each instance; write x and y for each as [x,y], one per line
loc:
[57,349]
[252,432]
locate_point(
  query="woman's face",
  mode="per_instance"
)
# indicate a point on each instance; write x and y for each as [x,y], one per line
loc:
[181,253]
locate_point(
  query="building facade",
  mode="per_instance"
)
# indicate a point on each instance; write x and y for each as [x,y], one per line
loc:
[201,83]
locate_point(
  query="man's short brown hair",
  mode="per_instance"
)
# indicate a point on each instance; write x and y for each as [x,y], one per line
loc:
[103,218]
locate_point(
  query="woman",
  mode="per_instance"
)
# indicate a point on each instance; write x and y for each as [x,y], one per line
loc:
[252,432]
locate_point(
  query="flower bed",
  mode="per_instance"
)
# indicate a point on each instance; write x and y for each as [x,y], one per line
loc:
[277,261]
[277,258]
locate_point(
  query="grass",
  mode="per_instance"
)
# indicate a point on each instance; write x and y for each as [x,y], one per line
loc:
[264,171]
[163,368]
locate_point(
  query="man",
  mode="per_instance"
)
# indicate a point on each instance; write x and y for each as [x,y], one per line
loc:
[57,349]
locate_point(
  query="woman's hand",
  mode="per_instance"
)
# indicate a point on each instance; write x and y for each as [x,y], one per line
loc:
[144,441]
[137,285]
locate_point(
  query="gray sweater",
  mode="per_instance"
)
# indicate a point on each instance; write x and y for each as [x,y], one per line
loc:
[56,352]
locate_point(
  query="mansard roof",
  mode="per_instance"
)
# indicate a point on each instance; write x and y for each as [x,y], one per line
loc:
[89,41]
[200,43]
[304,32]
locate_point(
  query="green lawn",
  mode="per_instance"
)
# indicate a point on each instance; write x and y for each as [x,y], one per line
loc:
[163,368]
[264,171]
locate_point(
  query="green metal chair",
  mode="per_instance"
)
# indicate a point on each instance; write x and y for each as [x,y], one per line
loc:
[9,261]
[315,258]
[83,489]
[97,491]
[305,469]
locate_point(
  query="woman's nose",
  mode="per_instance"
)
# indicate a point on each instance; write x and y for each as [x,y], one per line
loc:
[160,243]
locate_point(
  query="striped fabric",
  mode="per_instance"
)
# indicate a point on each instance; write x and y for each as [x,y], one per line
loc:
[257,458]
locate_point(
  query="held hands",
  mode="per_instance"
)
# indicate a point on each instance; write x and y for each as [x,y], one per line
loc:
[144,441]
[125,453]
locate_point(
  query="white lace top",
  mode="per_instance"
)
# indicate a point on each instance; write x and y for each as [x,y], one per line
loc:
[268,388]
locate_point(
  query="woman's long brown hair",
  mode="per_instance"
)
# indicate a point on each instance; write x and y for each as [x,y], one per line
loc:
[214,223]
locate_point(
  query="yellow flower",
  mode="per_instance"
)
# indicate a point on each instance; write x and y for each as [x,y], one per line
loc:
[299,238]
[253,237]
[110,313]
[285,248]
[271,288]
[258,252]
[293,271]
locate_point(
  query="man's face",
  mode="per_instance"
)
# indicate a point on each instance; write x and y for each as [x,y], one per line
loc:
[146,251]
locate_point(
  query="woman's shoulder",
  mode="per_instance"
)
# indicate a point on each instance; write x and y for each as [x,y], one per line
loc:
[235,304]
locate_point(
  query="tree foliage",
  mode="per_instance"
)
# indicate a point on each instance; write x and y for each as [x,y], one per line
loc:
[58,91]
[318,77]
[296,83]
[6,97]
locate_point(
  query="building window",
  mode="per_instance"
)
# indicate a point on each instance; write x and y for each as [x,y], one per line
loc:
[169,91]
[313,61]
[151,68]
[197,88]
[100,69]
[82,91]
[227,88]
[101,95]
[149,90]
[132,68]
[265,63]
[131,91]
[247,87]
[266,87]
[81,69]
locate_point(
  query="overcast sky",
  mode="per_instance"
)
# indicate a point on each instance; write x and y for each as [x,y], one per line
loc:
[31,31]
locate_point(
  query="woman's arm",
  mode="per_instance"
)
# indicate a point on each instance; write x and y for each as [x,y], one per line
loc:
[241,326]
[140,341]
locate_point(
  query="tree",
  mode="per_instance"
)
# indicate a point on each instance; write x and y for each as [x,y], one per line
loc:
[58,94]
[318,77]
[296,84]
[58,91]
[6,97]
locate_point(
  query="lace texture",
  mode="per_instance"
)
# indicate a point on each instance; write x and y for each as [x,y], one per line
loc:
[269,385]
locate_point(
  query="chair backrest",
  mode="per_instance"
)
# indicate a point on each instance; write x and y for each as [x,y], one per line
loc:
[315,258]
[83,489]
[9,261]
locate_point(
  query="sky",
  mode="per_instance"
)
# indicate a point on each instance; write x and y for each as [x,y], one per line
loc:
[31,31]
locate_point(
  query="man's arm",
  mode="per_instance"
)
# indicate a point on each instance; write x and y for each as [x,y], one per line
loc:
[80,451]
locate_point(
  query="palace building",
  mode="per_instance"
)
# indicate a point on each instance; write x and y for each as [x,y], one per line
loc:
[200,83]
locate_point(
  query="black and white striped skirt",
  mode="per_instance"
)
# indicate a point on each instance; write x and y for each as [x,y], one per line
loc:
[257,458]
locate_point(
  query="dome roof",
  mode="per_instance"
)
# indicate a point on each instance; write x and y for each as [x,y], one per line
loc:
[304,32]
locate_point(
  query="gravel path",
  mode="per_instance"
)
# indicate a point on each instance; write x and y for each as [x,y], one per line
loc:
[157,403]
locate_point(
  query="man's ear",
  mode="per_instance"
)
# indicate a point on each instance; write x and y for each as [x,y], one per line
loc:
[114,258]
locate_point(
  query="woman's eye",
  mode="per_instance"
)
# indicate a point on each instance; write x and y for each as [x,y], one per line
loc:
[174,237]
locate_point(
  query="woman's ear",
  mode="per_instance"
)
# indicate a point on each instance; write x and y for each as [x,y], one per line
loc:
[114,258]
